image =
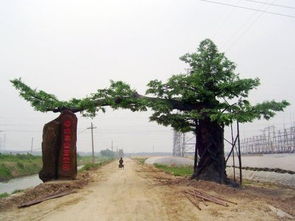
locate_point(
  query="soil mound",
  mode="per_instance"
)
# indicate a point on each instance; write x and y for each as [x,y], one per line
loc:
[45,189]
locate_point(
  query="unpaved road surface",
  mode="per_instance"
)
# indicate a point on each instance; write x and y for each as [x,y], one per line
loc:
[116,194]
[144,193]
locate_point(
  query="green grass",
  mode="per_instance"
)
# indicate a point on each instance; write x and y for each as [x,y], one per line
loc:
[83,160]
[5,172]
[140,159]
[12,166]
[90,166]
[18,165]
[2,195]
[176,171]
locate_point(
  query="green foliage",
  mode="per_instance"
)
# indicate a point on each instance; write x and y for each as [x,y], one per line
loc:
[5,172]
[3,195]
[107,153]
[176,171]
[83,160]
[40,100]
[11,157]
[92,166]
[118,95]
[210,89]
[18,165]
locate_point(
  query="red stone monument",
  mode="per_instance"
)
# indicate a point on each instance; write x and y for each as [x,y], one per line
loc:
[67,159]
[59,152]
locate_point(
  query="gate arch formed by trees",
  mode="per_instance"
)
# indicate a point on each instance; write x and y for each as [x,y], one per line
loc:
[204,100]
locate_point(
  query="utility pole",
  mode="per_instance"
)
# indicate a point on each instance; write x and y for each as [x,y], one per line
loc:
[93,160]
[32,144]
[2,141]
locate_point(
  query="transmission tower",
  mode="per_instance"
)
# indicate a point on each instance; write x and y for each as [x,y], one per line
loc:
[177,143]
[182,144]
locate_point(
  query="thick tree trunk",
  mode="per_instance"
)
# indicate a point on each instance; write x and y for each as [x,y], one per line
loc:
[210,150]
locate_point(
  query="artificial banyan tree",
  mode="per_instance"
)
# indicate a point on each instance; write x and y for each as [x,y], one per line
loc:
[205,99]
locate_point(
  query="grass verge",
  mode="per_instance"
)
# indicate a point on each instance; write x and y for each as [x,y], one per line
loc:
[91,166]
[3,195]
[176,171]
[140,159]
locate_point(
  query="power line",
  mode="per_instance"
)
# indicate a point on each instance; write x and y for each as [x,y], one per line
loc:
[241,34]
[27,131]
[32,144]
[270,4]
[248,8]
[83,131]
[221,21]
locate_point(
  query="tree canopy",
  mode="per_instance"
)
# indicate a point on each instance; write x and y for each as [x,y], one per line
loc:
[107,153]
[117,95]
[210,88]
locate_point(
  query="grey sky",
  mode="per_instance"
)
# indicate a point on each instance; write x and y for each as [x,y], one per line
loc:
[72,47]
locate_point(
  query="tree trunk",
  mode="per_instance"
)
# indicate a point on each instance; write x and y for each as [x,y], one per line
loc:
[210,149]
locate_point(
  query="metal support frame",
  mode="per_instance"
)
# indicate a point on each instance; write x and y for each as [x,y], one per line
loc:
[235,146]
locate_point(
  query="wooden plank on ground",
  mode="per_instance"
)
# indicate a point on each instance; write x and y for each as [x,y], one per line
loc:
[220,198]
[208,197]
[205,196]
[193,201]
[52,196]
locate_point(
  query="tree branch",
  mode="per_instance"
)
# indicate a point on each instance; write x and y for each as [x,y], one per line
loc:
[175,104]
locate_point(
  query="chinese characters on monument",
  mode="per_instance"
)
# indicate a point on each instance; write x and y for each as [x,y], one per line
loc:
[59,148]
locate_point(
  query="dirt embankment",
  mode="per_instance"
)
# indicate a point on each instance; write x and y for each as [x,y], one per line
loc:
[13,166]
[141,192]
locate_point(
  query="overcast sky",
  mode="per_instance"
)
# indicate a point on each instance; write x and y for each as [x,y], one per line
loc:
[70,48]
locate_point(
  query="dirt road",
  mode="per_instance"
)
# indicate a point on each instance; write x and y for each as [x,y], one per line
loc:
[116,194]
[140,193]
